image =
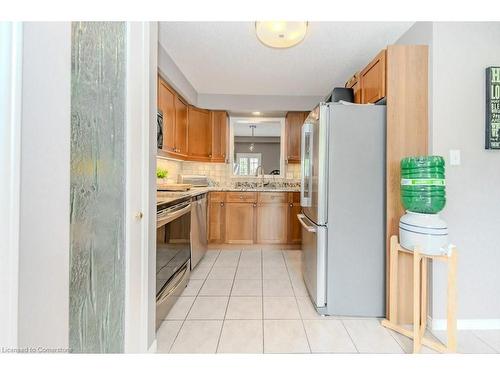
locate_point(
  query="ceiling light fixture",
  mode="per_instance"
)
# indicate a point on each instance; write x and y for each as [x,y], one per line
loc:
[252,145]
[256,113]
[280,34]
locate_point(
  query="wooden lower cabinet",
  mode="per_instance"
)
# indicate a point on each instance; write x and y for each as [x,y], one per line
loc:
[239,223]
[216,220]
[294,227]
[254,218]
[272,220]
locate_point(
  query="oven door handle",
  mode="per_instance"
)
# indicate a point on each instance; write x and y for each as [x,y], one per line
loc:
[167,218]
[167,292]
[309,228]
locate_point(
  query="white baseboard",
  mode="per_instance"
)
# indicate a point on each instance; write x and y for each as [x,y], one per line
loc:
[152,348]
[465,324]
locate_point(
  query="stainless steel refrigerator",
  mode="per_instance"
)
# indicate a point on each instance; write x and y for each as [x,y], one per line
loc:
[343,208]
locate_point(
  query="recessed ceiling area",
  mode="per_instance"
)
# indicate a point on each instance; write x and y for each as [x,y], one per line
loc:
[227,58]
[263,128]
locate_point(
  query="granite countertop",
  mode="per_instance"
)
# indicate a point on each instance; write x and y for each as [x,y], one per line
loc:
[169,195]
[261,189]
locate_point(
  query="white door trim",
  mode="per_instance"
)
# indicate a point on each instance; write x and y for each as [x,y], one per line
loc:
[11,43]
[140,164]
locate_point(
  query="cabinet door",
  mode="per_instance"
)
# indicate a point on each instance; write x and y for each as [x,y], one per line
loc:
[293,126]
[240,223]
[294,227]
[218,120]
[355,84]
[373,80]
[216,221]
[181,118]
[199,134]
[272,223]
[166,103]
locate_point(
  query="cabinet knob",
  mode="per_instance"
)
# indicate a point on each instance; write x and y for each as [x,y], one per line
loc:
[291,204]
[255,204]
[222,204]
[209,155]
[241,196]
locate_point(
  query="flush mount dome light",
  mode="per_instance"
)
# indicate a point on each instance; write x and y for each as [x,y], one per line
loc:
[280,34]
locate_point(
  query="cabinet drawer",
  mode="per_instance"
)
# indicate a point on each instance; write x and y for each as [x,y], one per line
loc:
[271,197]
[217,196]
[244,196]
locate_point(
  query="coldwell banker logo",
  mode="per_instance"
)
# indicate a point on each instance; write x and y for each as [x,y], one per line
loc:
[493,108]
[39,349]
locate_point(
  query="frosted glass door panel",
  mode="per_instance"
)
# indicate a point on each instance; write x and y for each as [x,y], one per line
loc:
[97,248]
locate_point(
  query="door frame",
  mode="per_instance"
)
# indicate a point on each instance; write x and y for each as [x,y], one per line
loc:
[11,44]
[140,234]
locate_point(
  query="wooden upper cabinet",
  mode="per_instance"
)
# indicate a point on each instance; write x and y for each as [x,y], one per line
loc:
[181,126]
[166,104]
[199,134]
[293,131]
[219,125]
[373,79]
[354,83]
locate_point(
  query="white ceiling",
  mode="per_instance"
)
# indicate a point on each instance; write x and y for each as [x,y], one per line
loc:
[227,58]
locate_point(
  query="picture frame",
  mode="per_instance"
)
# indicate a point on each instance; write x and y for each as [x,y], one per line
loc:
[492,141]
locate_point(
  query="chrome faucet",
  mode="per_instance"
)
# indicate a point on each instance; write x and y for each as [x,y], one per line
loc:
[257,174]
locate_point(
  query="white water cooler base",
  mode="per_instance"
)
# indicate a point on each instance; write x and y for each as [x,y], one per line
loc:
[427,231]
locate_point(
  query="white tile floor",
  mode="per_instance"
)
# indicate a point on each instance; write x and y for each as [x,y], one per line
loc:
[254,301]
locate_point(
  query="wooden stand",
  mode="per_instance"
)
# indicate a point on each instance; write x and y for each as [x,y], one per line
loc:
[420,262]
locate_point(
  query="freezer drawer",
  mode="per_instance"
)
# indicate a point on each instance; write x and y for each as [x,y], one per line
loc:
[314,261]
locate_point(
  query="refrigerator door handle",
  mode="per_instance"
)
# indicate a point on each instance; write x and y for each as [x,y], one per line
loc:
[309,228]
[306,165]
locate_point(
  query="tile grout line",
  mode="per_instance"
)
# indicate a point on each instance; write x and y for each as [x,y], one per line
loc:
[195,297]
[227,305]
[350,337]
[296,303]
[392,333]
[483,341]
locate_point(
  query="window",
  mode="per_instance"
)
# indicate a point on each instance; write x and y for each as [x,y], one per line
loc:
[247,163]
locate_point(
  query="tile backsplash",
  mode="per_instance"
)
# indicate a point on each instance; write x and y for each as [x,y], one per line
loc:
[219,173]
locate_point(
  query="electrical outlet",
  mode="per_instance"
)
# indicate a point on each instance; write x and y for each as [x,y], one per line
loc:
[454,157]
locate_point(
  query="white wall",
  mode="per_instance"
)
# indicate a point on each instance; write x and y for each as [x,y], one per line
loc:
[459,54]
[45,178]
[173,75]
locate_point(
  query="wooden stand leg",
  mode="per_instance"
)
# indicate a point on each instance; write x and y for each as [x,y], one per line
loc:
[417,340]
[420,264]
[393,280]
[423,299]
[452,303]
